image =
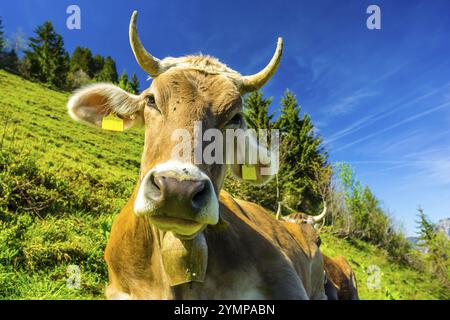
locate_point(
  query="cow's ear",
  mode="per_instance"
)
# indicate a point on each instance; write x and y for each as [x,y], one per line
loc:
[259,173]
[92,103]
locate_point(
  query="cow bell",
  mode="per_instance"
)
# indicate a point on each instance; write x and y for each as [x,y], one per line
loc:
[184,260]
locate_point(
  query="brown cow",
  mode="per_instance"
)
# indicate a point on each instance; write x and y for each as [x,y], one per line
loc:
[303,218]
[340,279]
[179,236]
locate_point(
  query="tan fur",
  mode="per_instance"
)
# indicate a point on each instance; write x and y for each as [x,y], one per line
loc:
[203,63]
[250,254]
[282,262]
[340,274]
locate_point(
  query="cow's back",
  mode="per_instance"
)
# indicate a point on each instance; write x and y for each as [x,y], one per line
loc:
[289,238]
[340,274]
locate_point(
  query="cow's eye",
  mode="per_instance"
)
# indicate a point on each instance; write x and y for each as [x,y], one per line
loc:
[236,121]
[151,102]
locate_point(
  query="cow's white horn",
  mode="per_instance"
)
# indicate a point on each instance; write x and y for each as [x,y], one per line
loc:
[322,215]
[256,81]
[148,63]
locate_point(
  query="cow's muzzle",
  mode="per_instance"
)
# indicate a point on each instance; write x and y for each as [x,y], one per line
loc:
[178,198]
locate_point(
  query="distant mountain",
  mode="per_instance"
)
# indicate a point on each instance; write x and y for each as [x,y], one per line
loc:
[444,225]
[413,240]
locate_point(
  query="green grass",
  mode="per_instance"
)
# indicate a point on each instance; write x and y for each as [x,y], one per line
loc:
[396,281]
[61,184]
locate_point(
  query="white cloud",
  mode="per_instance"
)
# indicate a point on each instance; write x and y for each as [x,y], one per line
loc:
[347,104]
[395,125]
[382,114]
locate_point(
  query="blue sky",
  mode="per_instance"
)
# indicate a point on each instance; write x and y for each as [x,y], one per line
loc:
[379,98]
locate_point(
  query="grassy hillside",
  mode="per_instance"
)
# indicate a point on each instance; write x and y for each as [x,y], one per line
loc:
[61,184]
[397,282]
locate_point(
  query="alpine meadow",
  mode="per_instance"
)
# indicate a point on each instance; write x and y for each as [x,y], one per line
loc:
[62,183]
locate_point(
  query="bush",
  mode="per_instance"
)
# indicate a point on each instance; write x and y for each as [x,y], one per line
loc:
[361,216]
[27,188]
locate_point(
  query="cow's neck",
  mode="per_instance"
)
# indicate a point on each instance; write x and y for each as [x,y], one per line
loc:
[139,254]
[148,251]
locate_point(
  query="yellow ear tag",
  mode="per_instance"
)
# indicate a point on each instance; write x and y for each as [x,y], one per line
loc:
[112,122]
[248,172]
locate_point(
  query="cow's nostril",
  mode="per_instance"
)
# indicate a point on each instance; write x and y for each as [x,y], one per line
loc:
[200,195]
[184,198]
[159,181]
[156,188]
[154,183]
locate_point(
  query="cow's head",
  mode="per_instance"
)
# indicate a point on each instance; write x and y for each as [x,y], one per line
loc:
[175,195]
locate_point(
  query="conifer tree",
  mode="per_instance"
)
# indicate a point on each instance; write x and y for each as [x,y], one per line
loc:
[82,59]
[124,82]
[97,64]
[426,229]
[2,37]
[300,151]
[437,248]
[301,155]
[47,61]
[256,111]
[108,72]
[134,84]
[8,59]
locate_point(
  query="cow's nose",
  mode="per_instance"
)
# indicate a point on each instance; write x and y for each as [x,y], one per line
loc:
[179,198]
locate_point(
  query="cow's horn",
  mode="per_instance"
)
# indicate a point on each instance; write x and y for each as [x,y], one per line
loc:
[256,81]
[319,218]
[148,63]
